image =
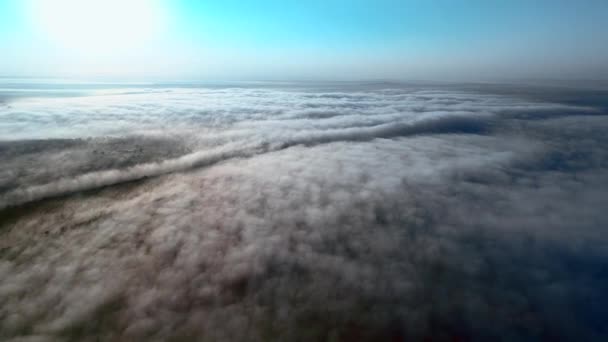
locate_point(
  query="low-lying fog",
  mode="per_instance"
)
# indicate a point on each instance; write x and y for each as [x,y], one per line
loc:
[345,212]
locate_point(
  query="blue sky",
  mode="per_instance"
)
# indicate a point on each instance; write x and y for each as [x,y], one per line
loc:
[330,39]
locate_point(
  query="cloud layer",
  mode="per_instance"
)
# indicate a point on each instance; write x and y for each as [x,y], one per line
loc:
[304,215]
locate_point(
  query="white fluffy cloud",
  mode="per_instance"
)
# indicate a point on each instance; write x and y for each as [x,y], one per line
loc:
[183,128]
[287,215]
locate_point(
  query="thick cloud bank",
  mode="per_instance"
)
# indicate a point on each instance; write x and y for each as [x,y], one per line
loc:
[349,214]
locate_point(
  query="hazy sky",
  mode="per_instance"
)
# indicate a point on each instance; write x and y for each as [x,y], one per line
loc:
[314,39]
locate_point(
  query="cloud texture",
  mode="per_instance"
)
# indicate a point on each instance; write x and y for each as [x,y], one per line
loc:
[306,214]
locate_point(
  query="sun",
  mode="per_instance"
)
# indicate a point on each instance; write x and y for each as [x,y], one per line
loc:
[97,26]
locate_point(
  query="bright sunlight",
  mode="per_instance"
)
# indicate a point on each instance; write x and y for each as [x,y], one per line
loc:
[97,26]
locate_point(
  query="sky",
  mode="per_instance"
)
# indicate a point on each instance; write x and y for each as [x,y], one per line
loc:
[316,39]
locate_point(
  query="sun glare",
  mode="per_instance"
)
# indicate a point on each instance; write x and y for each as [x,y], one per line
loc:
[97,26]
